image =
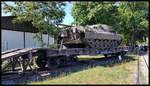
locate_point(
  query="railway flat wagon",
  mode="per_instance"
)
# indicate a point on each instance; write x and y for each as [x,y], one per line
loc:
[73,41]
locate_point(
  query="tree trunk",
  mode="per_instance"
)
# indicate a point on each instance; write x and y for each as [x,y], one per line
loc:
[41,37]
[48,21]
[132,38]
[55,39]
[48,41]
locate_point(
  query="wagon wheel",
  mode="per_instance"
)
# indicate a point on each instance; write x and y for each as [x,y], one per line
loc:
[104,43]
[41,62]
[74,59]
[109,43]
[106,55]
[53,63]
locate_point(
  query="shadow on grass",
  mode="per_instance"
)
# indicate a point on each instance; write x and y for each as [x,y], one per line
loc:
[112,61]
[115,62]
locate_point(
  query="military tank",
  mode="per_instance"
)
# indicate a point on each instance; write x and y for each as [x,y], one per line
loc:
[93,36]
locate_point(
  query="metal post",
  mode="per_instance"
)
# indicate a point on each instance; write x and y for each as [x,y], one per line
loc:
[13,62]
[61,44]
[24,40]
[138,71]
[48,41]
[120,57]
[6,45]
[30,59]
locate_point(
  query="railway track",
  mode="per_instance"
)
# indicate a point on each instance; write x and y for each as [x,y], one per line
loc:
[39,74]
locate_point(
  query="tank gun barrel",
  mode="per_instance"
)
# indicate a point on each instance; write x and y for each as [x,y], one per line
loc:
[63,25]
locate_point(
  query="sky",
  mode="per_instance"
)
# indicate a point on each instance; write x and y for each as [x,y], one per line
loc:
[68,19]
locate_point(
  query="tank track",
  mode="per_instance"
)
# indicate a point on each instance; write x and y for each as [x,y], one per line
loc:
[102,43]
[96,43]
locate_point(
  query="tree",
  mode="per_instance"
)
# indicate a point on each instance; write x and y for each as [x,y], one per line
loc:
[127,18]
[133,21]
[43,15]
[89,13]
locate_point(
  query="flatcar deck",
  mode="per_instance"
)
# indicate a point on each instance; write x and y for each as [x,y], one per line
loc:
[57,52]
[15,53]
[53,57]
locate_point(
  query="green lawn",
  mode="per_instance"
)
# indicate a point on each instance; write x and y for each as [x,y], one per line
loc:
[118,73]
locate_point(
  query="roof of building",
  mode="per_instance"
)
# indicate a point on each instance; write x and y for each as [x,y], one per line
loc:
[6,24]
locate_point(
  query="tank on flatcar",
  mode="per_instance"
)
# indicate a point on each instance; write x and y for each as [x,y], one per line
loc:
[94,36]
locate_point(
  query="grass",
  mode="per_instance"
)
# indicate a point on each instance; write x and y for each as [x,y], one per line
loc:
[117,73]
[85,57]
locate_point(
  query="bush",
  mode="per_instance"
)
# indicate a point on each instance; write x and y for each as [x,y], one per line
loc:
[52,46]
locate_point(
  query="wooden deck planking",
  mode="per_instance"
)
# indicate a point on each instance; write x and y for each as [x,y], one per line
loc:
[15,53]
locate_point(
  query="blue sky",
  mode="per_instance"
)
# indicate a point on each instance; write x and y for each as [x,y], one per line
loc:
[67,20]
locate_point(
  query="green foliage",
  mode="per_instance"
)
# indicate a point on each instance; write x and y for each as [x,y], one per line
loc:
[89,13]
[133,20]
[53,46]
[43,15]
[127,18]
[38,37]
